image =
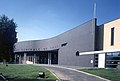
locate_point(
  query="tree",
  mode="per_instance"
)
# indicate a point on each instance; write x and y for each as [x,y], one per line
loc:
[7,38]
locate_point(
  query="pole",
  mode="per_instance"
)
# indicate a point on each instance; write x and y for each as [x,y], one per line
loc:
[94,8]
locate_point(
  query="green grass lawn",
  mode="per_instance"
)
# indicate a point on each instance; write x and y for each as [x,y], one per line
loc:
[111,74]
[16,72]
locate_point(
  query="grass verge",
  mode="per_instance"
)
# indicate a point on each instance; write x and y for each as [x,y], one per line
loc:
[16,72]
[111,74]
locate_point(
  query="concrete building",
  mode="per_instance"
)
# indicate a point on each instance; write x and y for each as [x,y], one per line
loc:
[80,46]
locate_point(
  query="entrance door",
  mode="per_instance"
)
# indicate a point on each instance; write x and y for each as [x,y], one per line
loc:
[43,59]
[54,58]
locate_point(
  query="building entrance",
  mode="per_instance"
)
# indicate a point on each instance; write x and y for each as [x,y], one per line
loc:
[43,58]
[50,57]
[39,57]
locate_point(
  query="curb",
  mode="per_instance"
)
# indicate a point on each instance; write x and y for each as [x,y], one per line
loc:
[58,79]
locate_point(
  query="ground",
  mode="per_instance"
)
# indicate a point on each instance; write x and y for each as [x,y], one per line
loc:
[29,73]
[25,72]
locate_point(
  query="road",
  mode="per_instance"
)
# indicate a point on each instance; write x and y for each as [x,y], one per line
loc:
[69,74]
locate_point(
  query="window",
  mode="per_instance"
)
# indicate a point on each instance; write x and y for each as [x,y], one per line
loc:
[77,53]
[112,59]
[30,58]
[64,44]
[112,36]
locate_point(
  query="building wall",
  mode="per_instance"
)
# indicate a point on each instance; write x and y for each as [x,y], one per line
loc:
[80,38]
[99,37]
[107,35]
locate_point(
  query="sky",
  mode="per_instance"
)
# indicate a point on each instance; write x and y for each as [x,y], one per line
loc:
[42,19]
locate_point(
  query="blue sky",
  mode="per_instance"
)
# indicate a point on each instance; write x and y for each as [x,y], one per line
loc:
[41,19]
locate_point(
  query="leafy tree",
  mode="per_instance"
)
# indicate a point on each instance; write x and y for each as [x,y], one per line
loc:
[7,38]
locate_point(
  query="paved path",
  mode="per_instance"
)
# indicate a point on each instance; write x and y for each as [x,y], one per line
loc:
[69,74]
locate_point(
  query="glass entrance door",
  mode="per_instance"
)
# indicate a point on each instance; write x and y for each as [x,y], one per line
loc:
[43,59]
